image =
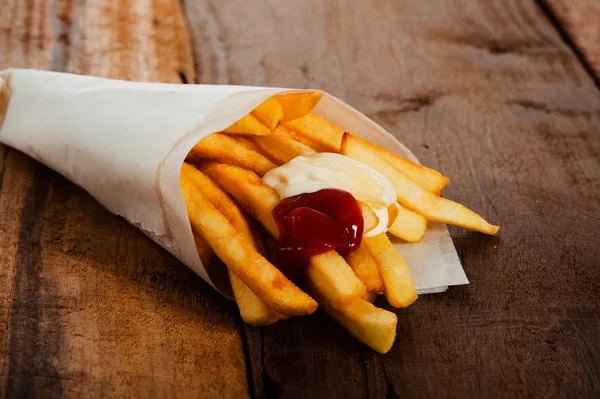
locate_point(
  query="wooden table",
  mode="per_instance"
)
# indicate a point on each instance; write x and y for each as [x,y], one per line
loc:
[492,93]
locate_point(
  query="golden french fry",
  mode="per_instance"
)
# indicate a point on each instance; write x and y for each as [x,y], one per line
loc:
[215,268]
[399,288]
[408,225]
[413,196]
[318,129]
[219,200]
[264,279]
[257,233]
[249,124]
[269,112]
[370,296]
[364,266]
[430,179]
[392,213]
[373,326]
[328,269]
[253,310]
[321,131]
[370,219]
[222,148]
[281,146]
[259,240]
[205,252]
[330,273]
[304,140]
[251,194]
[247,142]
[296,105]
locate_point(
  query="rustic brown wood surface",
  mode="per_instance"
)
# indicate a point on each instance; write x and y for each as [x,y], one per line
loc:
[580,19]
[487,92]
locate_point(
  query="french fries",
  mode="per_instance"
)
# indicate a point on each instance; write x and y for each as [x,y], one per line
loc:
[370,296]
[413,196]
[205,252]
[225,184]
[370,219]
[408,225]
[371,325]
[364,266]
[269,112]
[325,270]
[330,273]
[283,129]
[281,146]
[245,141]
[319,130]
[253,310]
[247,189]
[398,286]
[296,105]
[222,148]
[431,180]
[249,124]
[393,210]
[264,279]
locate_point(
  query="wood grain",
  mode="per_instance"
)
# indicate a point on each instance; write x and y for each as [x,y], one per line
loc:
[581,21]
[488,93]
[25,41]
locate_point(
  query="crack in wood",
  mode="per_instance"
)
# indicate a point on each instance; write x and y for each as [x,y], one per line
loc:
[245,348]
[376,386]
[538,106]
[271,388]
[390,392]
[494,46]
[415,104]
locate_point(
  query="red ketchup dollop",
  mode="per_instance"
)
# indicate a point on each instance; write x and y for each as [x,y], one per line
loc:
[315,223]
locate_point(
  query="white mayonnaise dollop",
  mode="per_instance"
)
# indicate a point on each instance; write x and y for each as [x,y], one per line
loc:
[308,174]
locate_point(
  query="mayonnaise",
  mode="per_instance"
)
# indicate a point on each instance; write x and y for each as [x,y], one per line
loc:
[308,174]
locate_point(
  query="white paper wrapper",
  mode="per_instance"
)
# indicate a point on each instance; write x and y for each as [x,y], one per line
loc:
[125,142]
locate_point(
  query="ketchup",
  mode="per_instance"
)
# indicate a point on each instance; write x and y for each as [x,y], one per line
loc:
[315,223]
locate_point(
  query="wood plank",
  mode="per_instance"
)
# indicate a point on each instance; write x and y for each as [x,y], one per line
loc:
[580,19]
[96,308]
[15,186]
[489,94]
[26,36]
[143,40]
[26,41]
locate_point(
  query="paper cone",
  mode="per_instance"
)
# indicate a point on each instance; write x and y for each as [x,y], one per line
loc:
[124,143]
